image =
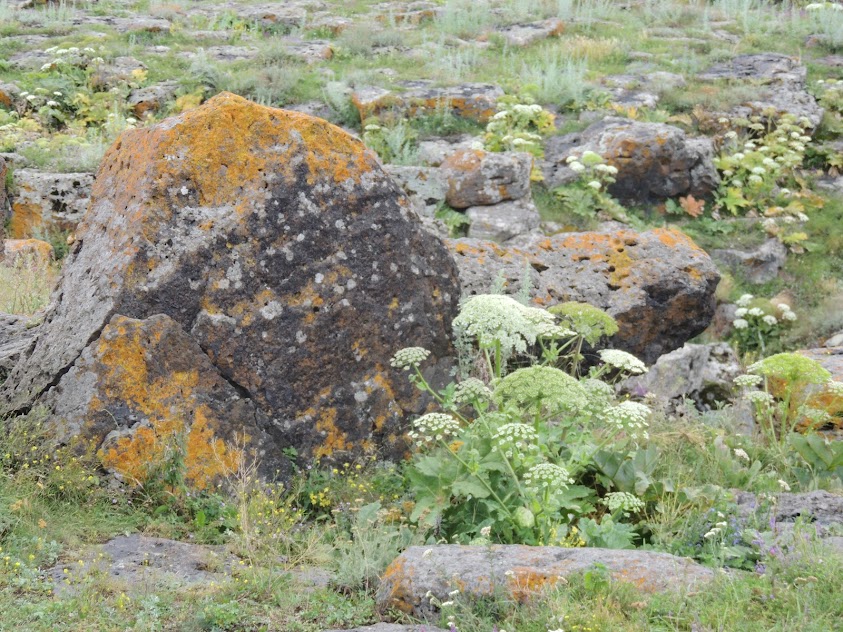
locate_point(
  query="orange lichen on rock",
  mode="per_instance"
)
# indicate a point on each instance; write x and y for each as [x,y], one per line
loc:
[31,252]
[525,583]
[166,401]
[26,220]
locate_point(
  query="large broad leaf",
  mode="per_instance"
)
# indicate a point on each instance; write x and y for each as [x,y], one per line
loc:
[822,456]
[469,487]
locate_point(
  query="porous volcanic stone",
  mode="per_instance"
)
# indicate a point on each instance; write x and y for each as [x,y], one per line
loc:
[479,178]
[658,284]
[45,202]
[520,572]
[276,242]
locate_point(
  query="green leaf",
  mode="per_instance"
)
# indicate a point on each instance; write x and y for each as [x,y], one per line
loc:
[470,487]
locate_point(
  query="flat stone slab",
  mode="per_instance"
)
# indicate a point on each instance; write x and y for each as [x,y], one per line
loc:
[521,572]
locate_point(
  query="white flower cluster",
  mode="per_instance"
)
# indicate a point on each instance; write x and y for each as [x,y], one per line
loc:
[760,398]
[547,477]
[434,426]
[472,390]
[599,395]
[740,453]
[515,437]
[744,300]
[623,501]
[716,529]
[409,357]
[748,381]
[623,361]
[834,387]
[497,319]
[630,416]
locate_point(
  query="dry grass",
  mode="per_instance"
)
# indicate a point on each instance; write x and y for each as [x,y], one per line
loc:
[25,287]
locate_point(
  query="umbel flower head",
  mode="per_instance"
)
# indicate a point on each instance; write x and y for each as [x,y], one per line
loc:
[434,426]
[472,390]
[598,394]
[623,361]
[494,319]
[792,368]
[624,501]
[633,417]
[515,438]
[409,357]
[551,389]
[547,477]
[590,322]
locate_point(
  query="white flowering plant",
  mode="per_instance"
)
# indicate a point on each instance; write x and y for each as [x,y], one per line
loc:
[395,141]
[759,164]
[758,324]
[520,124]
[589,193]
[514,457]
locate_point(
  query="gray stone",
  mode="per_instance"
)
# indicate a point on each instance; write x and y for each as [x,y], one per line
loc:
[480,178]
[118,70]
[531,32]
[282,15]
[426,186]
[46,202]
[9,95]
[520,572]
[780,80]
[503,221]
[834,341]
[658,284]
[434,152]
[702,373]
[15,337]
[152,98]
[761,265]
[819,507]
[654,161]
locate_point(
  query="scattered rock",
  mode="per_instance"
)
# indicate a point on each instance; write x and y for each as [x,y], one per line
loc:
[702,373]
[641,91]
[134,561]
[31,252]
[781,84]
[118,70]
[761,265]
[479,178]
[654,161]
[658,284]
[434,152]
[274,15]
[531,32]
[476,101]
[503,221]
[309,51]
[520,572]
[152,98]
[9,94]
[47,202]
[282,260]
[819,509]
[834,341]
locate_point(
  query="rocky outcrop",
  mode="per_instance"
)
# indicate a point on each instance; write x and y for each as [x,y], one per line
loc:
[531,32]
[654,161]
[15,337]
[152,99]
[271,251]
[504,221]
[48,202]
[520,572]
[29,252]
[780,80]
[658,284]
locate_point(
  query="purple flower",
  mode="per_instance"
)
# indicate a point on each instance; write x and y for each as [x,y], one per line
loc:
[760,568]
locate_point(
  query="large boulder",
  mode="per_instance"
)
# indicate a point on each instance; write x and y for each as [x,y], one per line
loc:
[780,81]
[520,572]
[655,161]
[282,266]
[658,284]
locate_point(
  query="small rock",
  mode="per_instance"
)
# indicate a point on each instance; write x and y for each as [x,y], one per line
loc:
[503,221]
[31,252]
[520,572]
[120,69]
[654,161]
[46,202]
[152,98]
[526,34]
[434,152]
[274,15]
[9,94]
[835,341]
[479,178]
[427,187]
[761,265]
[819,507]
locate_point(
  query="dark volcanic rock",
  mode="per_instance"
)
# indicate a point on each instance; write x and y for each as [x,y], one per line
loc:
[276,242]
[659,285]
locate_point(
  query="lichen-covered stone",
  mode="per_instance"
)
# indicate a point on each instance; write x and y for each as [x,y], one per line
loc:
[818,397]
[531,32]
[760,265]
[278,244]
[658,284]
[520,573]
[30,252]
[501,222]
[48,202]
[654,161]
[475,101]
[15,336]
[152,98]
[479,178]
